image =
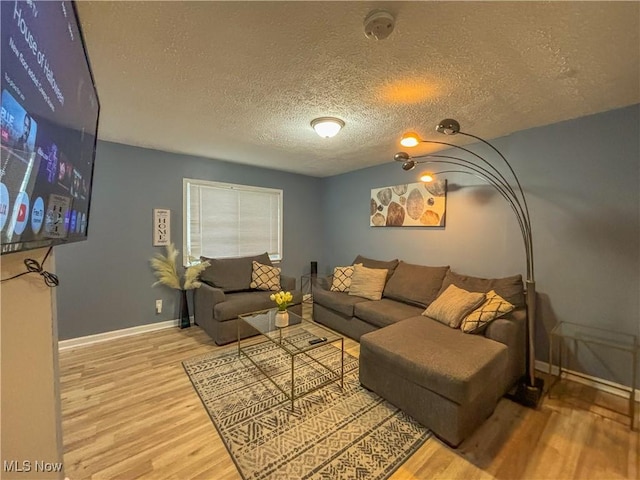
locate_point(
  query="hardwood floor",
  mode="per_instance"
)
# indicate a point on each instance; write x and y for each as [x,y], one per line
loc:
[130,411]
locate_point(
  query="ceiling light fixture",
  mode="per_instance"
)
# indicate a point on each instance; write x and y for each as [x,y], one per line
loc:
[327,127]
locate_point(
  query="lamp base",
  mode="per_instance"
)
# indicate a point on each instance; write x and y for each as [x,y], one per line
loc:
[525,394]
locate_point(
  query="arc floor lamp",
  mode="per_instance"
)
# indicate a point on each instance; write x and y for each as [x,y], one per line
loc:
[529,389]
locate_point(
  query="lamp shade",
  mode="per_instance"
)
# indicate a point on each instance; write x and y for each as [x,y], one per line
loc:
[410,139]
[426,177]
[327,127]
[448,126]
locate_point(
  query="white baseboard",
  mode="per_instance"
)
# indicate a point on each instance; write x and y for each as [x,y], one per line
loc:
[591,381]
[125,332]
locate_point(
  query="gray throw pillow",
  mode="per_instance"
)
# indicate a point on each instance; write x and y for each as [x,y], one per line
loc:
[509,288]
[232,274]
[415,284]
[390,265]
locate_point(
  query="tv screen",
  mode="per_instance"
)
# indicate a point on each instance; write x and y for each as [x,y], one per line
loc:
[48,126]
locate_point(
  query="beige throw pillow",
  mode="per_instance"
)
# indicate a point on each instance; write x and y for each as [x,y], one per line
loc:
[453,305]
[265,277]
[367,282]
[342,279]
[494,307]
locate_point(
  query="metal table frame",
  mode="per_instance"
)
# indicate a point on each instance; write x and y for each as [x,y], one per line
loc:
[596,336]
[306,286]
[293,351]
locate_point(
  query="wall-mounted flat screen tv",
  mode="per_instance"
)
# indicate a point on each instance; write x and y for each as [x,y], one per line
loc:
[48,126]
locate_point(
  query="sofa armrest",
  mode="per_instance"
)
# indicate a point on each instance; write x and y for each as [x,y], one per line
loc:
[287,283]
[510,330]
[323,282]
[205,298]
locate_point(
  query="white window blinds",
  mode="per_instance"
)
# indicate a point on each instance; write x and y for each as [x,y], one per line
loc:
[227,220]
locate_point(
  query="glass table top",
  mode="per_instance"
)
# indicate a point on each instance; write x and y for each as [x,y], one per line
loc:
[295,337]
[600,336]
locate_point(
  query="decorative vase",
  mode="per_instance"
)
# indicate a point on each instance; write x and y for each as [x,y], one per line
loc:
[185,321]
[282,318]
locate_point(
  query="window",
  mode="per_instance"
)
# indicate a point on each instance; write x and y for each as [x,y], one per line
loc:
[227,220]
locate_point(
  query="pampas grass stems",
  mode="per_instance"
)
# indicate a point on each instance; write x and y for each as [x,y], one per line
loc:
[192,275]
[167,273]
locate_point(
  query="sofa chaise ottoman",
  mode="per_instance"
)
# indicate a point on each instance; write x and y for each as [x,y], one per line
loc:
[447,381]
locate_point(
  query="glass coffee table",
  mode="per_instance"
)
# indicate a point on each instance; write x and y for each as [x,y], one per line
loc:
[299,358]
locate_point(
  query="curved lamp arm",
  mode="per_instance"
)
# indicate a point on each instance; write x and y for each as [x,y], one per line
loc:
[479,173]
[452,127]
[522,212]
[471,152]
[497,182]
[513,173]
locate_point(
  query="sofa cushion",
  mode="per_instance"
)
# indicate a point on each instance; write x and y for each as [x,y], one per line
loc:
[367,282]
[453,305]
[339,301]
[415,284]
[239,303]
[438,358]
[384,312]
[265,277]
[390,265]
[493,307]
[509,288]
[341,279]
[231,274]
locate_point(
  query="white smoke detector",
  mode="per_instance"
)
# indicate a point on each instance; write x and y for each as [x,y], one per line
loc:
[379,24]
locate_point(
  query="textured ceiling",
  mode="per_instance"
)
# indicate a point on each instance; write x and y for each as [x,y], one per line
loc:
[241,81]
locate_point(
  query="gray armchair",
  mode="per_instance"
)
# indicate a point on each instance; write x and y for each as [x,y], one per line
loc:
[226,293]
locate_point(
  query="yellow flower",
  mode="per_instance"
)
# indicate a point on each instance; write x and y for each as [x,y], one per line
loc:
[282,299]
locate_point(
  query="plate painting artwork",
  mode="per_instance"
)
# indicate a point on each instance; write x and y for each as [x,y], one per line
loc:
[409,205]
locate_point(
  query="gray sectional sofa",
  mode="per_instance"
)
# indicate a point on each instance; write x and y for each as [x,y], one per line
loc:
[448,380]
[226,293]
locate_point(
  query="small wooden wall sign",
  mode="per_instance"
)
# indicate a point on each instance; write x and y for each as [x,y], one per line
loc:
[161,227]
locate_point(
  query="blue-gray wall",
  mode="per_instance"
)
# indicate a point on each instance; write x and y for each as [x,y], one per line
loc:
[105,282]
[581,178]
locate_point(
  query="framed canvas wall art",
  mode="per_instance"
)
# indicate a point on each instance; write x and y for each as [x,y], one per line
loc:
[409,205]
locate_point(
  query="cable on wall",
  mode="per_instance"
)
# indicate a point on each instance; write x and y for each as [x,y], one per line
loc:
[50,279]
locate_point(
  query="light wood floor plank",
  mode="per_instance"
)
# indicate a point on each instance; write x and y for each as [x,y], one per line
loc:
[130,411]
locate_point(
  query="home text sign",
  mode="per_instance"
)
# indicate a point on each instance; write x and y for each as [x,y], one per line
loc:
[161,227]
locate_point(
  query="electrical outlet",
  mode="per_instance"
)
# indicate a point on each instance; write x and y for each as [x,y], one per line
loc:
[158,306]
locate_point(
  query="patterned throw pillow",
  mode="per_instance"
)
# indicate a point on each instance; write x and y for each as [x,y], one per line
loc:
[453,305]
[494,307]
[342,278]
[265,277]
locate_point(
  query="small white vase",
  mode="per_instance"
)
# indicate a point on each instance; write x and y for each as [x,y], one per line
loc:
[282,318]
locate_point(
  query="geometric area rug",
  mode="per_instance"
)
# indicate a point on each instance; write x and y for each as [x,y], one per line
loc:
[332,433]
